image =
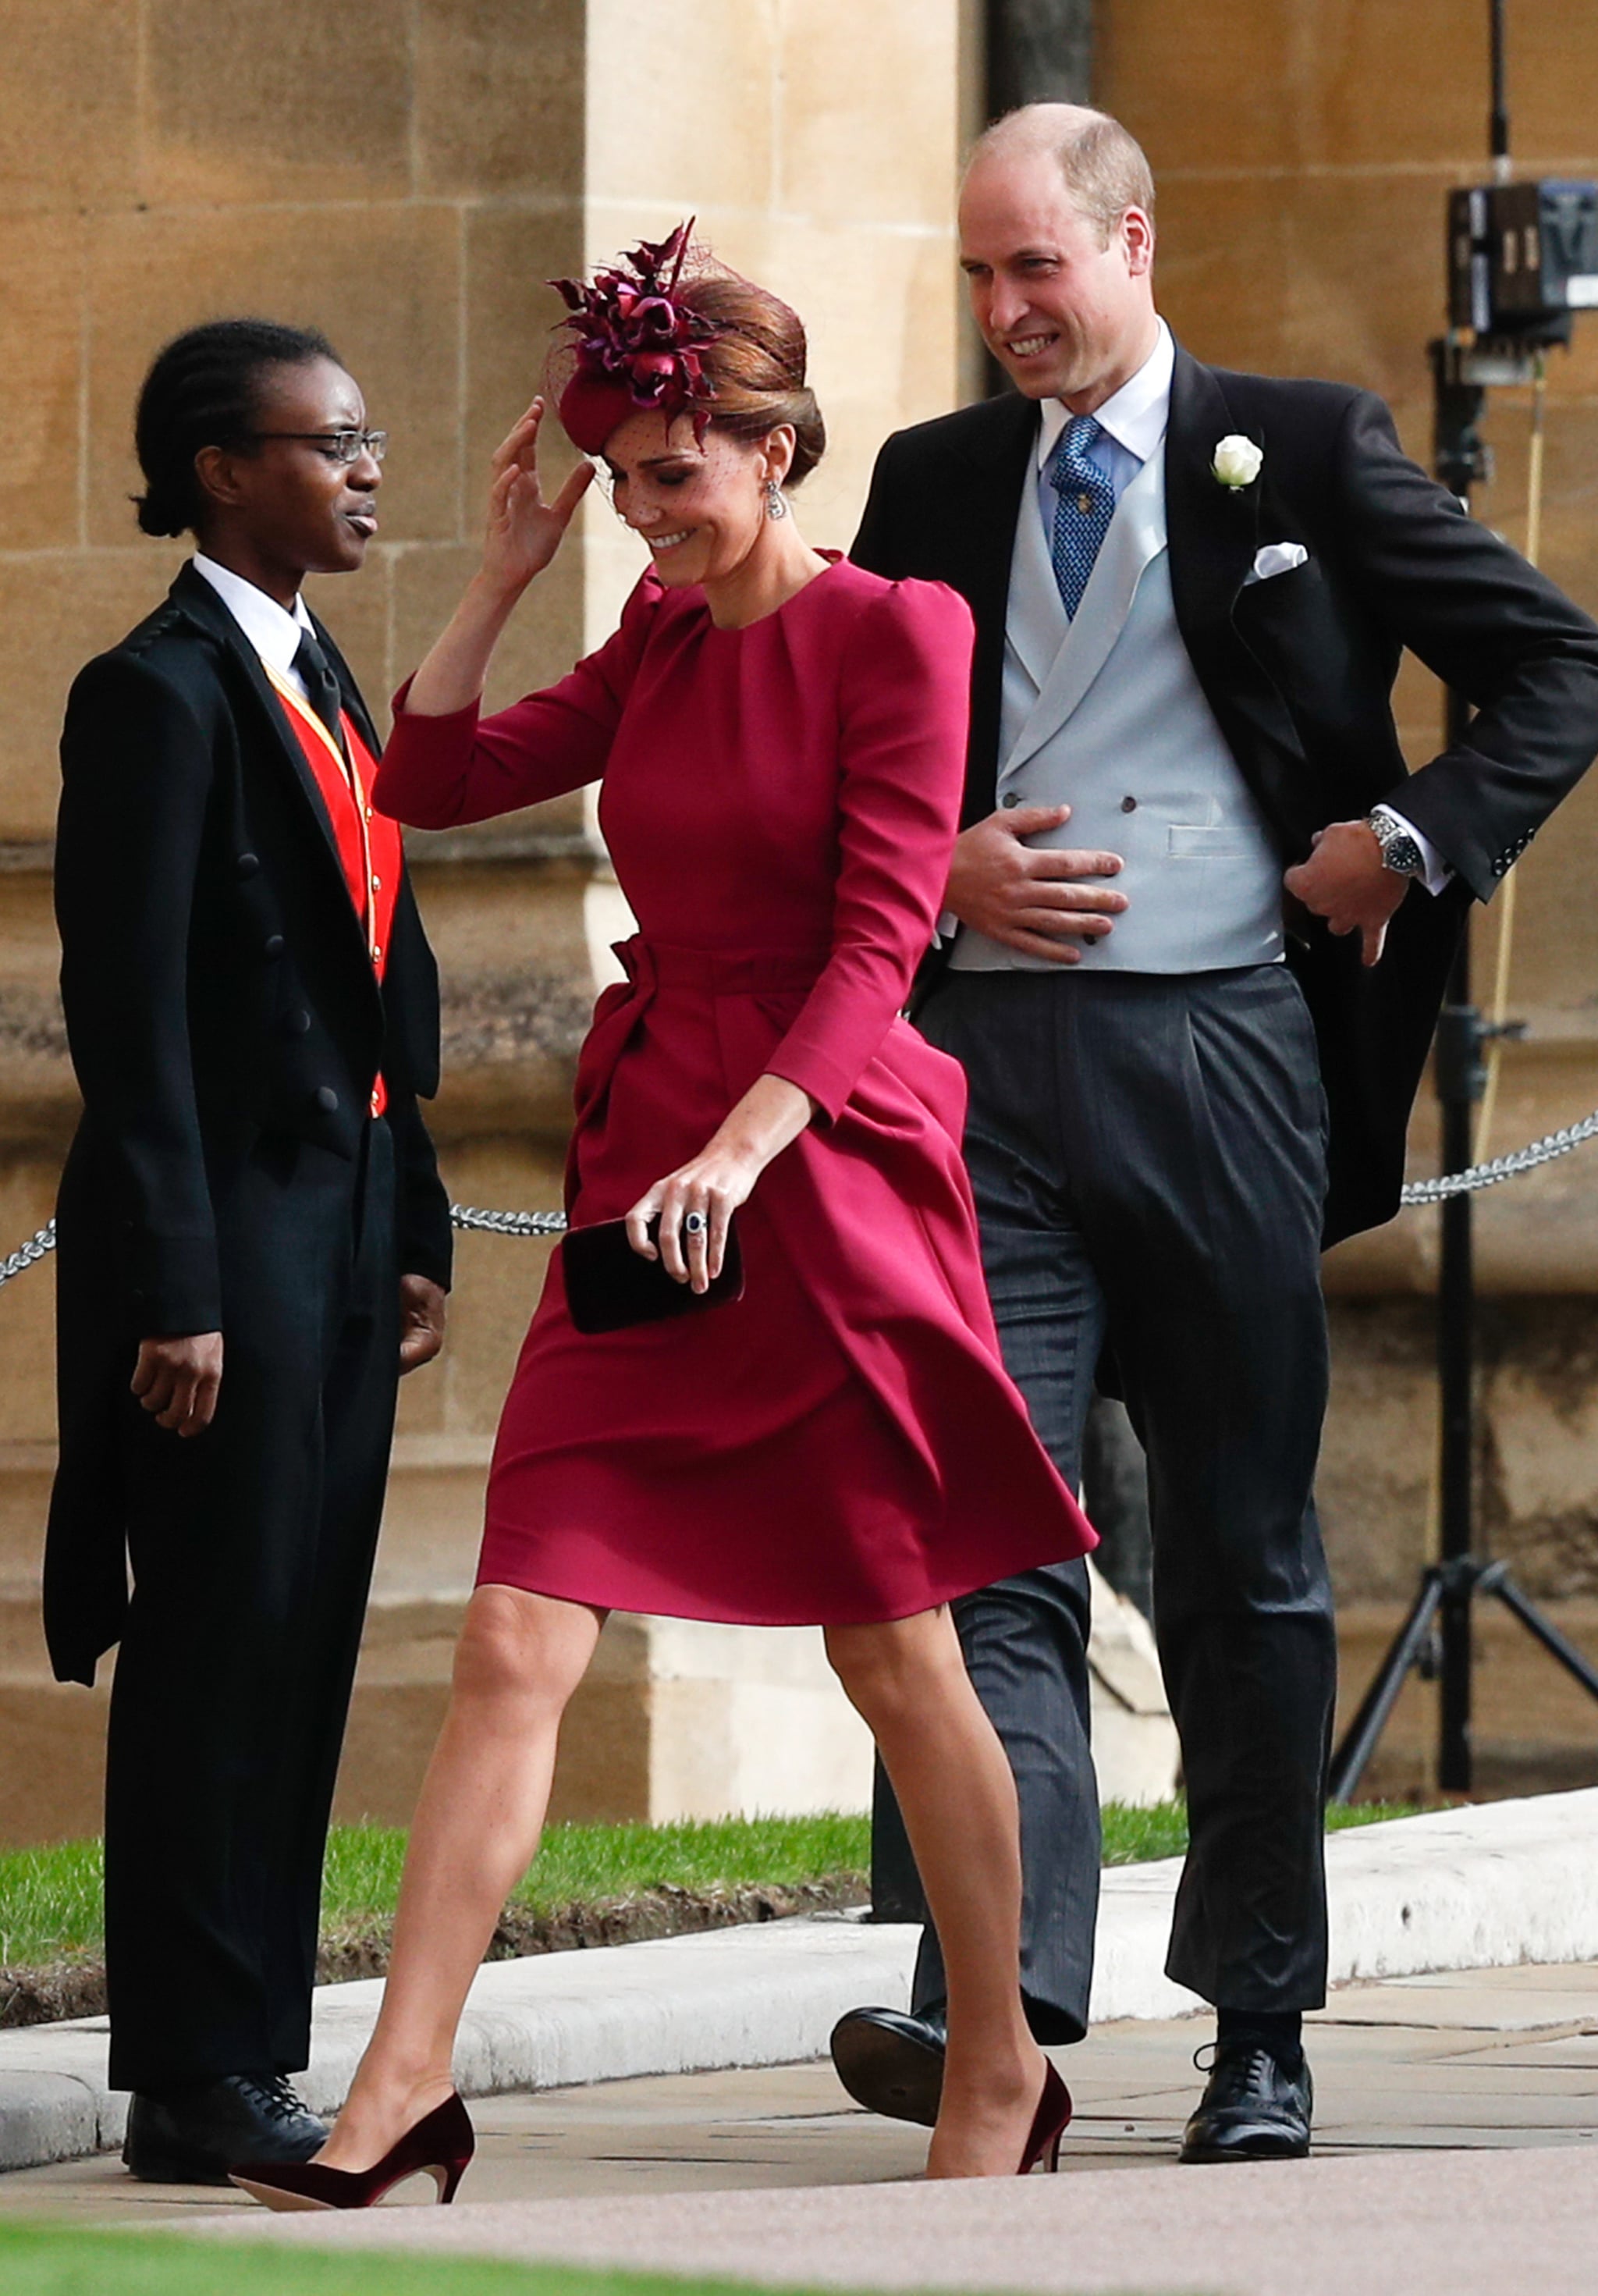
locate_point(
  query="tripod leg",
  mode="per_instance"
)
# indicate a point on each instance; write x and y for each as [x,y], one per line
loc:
[1546,1632]
[1359,1742]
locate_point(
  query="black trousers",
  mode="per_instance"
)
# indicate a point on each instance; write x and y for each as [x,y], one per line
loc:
[251,1549]
[1148,1154]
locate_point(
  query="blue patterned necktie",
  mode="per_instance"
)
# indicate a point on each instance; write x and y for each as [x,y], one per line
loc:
[1085,507]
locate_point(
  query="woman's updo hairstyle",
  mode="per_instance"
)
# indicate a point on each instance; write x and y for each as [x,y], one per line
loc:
[204,390]
[757,361]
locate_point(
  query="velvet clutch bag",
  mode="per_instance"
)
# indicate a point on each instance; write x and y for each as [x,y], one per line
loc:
[609,1286]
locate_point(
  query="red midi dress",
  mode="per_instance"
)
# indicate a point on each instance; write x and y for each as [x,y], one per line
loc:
[780,803]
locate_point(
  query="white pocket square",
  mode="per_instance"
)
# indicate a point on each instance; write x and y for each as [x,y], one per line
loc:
[1276,558]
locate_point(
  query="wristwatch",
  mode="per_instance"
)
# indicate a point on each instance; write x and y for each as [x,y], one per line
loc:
[1400,851]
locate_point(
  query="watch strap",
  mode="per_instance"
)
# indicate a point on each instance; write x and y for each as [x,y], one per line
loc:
[1400,851]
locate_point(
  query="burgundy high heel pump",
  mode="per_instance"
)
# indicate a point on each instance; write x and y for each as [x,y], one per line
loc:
[440,2145]
[1049,2125]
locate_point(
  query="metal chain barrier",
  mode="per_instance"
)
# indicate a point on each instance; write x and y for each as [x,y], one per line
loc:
[461,1216]
[468,1217]
[476,1221]
[29,1254]
[1502,1168]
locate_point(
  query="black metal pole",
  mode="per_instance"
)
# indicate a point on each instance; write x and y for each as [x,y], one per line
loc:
[1459,1085]
[1359,1742]
[1455,1363]
[1498,117]
[1038,52]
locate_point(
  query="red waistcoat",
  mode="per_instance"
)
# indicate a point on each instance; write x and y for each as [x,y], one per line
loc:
[370,851]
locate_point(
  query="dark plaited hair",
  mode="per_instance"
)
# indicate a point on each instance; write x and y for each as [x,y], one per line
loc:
[202,392]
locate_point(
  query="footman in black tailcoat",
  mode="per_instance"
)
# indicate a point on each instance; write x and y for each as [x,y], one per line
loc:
[254,1241]
[1191,590]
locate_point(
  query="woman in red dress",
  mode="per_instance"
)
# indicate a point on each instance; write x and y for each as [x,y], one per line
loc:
[781,742]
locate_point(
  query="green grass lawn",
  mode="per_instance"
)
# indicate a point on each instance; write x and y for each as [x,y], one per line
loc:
[42,2260]
[50,1899]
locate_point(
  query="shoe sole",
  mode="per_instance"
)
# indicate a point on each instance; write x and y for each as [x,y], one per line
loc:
[272,2196]
[167,2168]
[1261,2146]
[889,2073]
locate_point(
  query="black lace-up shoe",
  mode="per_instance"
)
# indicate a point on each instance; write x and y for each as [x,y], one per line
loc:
[890,2061]
[193,2135]
[1253,2108]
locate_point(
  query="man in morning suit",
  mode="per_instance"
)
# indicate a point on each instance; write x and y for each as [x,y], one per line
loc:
[1191,589]
[254,1239]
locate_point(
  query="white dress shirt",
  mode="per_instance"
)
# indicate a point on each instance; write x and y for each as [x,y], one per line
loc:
[274,633]
[1132,424]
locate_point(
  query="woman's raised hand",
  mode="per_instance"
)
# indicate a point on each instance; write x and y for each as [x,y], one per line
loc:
[524,534]
[524,531]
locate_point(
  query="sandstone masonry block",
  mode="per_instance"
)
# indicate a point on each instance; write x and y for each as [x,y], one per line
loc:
[500,100]
[868,113]
[1284,84]
[41,334]
[69,115]
[678,117]
[287,103]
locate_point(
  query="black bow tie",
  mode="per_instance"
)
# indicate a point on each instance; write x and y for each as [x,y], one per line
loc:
[322,687]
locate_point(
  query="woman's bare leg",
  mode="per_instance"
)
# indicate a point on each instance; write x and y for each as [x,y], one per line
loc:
[958,1795]
[520,1658]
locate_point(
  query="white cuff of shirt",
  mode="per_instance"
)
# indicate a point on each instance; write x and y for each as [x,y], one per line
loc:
[1436,872]
[947,927]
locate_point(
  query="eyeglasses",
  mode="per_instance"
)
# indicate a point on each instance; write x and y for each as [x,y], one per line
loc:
[340,447]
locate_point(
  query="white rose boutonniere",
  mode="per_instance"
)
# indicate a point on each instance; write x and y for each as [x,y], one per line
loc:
[1237,460]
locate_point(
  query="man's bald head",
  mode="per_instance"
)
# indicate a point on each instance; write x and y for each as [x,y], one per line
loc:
[1102,165]
[1057,245]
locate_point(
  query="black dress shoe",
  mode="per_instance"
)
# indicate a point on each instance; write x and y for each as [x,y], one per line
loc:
[1253,2108]
[193,2135]
[891,2060]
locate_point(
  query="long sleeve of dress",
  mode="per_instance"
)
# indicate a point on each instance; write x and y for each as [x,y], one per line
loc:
[904,709]
[438,773]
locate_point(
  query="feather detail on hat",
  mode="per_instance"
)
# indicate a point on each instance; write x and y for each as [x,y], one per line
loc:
[636,346]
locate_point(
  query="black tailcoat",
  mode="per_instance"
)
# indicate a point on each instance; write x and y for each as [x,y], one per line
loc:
[1299,671]
[217,990]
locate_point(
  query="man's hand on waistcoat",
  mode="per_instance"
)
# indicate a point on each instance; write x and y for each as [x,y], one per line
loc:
[421,1312]
[1346,881]
[177,1380]
[1042,902]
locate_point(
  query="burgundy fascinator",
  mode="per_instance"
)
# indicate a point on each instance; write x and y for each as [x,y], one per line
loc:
[635,345]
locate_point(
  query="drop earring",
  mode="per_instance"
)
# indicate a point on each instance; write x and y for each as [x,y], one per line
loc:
[776,505]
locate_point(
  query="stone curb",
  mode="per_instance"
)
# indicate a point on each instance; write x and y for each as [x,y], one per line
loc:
[1472,1888]
[1482,1888]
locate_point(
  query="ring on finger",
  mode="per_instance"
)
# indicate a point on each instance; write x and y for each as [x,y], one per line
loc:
[696,1224]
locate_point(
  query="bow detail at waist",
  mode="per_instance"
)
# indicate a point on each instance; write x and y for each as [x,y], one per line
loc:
[652,965]
[656,968]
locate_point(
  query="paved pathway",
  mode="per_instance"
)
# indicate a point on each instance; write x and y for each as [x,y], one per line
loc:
[1415,2076]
